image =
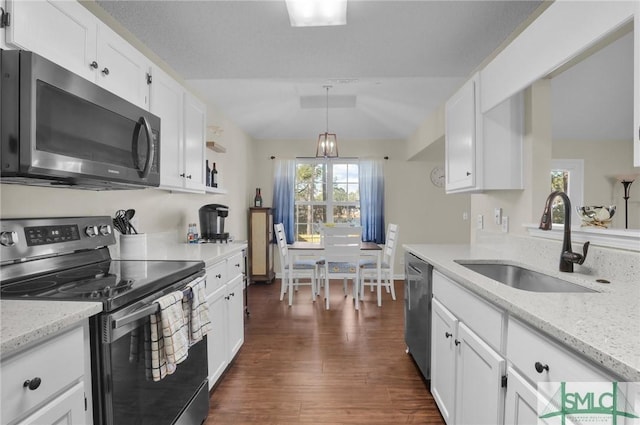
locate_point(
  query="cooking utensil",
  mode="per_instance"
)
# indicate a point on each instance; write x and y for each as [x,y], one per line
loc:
[122,222]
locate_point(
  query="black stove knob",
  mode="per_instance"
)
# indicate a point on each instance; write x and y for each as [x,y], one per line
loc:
[91,231]
[105,229]
[8,238]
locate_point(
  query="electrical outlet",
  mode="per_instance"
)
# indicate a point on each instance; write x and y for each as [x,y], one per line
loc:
[505,224]
[480,222]
[497,215]
[465,216]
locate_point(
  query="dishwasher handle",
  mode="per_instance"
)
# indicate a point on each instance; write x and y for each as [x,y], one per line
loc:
[412,267]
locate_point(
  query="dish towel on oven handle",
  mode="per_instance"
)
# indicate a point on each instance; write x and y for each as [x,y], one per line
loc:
[197,310]
[169,336]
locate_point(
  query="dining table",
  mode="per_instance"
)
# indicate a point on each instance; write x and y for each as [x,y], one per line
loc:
[316,250]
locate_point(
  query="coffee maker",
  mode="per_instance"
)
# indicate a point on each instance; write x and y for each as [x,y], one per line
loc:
[212,223]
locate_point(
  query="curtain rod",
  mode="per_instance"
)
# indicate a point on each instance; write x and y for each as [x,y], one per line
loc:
[314,157]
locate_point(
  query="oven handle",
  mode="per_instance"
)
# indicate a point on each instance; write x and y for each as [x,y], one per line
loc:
[139,314]
[136,315]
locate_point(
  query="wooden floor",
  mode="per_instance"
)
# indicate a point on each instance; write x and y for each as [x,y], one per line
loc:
[306,365]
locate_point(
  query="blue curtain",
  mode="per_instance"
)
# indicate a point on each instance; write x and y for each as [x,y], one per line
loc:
[284,177]
[372,200]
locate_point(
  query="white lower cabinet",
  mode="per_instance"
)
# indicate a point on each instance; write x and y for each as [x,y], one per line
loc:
[48,382]
[521,404]
[443,359]
[226,313]
[466,373]
[217,338]
[491,368]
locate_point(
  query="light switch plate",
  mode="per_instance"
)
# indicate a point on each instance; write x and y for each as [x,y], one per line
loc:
[480,222]
[505,224]
[497,215]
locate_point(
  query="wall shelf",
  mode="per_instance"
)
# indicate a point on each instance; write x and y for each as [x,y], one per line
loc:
[216,190]
[216,147]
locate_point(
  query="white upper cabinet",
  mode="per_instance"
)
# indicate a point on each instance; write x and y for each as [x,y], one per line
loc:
[636,95]
[68,34]
[195,124]
[62,31]
[461,135]
[167,103]
[182,134]
[482,151]
[122,69]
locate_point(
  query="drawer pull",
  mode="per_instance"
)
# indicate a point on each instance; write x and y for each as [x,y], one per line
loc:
[457,342]
[541,368]
[238,265]
[448,334]
[32,384]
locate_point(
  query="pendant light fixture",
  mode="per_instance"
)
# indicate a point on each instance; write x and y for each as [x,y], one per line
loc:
[327,142]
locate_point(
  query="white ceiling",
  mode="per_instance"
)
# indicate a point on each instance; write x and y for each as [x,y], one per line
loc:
[400,59]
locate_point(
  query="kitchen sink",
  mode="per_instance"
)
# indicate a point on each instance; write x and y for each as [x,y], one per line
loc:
[522,278]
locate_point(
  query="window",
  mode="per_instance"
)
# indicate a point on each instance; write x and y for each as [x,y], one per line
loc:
[326,191]
[567,176]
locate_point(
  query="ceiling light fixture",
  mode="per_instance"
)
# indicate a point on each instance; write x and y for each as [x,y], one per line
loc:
[327,142]
[317,13]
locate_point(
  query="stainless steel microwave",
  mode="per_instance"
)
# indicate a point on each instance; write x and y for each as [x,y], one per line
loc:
[58,129]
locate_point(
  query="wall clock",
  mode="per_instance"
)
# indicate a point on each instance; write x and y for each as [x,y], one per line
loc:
[437,176]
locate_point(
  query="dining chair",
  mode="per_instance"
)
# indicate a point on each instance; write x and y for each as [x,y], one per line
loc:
[342,258]
[369,267]
[293,269]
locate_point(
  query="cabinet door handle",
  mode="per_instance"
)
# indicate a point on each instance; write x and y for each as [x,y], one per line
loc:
[448,334]
[182,174]
[232,294]
[32,384]
[105,71]
[468,173]
[219,276]
[189,176]
[238,265]
[94,65]
[457,342]
[541,367]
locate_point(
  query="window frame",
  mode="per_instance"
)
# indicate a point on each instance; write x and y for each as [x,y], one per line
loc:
[329,203]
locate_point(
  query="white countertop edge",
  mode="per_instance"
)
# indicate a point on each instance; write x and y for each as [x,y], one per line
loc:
[46,318]
[457,272]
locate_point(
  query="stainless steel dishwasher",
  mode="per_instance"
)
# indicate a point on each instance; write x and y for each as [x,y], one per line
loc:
[417,311]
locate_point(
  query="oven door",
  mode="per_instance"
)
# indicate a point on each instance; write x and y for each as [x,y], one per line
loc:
[73,130]
[127,392]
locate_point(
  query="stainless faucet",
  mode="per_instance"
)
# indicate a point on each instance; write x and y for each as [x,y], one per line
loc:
[567,257]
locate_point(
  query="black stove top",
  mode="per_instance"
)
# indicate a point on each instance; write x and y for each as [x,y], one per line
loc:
[113,282]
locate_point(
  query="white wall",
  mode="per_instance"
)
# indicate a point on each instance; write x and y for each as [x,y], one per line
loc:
[422,211]
[603,160]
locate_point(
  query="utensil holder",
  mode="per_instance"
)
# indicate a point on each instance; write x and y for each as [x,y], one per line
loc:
[133,247]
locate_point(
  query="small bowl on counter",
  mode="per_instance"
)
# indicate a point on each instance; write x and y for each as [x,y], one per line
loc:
[596,216]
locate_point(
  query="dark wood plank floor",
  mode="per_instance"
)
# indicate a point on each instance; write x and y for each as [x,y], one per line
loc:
[305,365]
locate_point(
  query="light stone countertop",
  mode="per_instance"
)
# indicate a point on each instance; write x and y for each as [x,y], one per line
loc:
[24,322]
[603,326]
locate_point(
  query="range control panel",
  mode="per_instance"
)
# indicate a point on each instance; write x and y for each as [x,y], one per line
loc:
[22,239]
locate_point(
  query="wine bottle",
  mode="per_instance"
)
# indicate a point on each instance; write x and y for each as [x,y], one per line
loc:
[208,177]
[214,176]
[257,201]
